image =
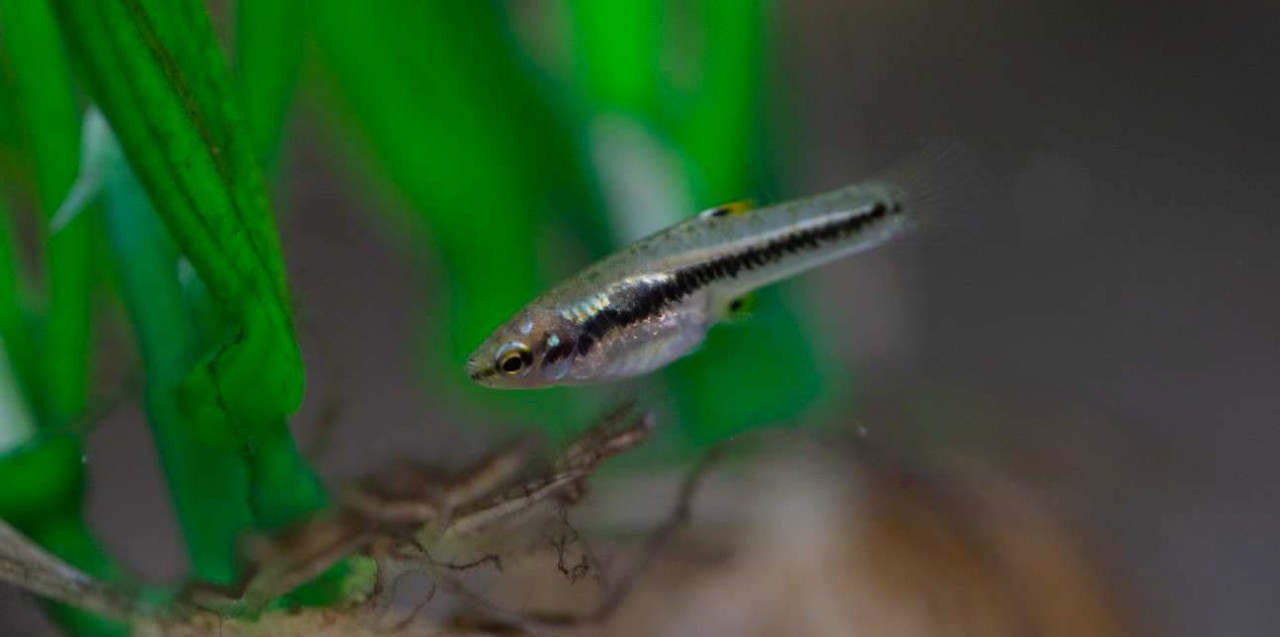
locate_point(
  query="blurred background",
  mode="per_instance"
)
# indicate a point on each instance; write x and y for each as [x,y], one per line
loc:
[1103,330]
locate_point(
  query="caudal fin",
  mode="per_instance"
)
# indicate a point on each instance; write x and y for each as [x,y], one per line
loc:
[940,188]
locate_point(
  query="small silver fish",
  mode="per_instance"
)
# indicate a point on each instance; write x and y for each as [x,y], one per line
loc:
[653,301]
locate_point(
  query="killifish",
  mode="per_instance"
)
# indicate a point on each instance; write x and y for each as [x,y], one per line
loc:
[653,301]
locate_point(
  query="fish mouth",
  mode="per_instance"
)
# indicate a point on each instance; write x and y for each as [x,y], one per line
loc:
[479,373]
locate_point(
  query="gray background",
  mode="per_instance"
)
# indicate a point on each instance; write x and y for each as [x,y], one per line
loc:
[1124,275]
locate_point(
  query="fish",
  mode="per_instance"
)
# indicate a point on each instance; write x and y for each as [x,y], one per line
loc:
[653,301]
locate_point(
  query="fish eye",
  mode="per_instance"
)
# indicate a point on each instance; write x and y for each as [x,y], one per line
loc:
[514,358]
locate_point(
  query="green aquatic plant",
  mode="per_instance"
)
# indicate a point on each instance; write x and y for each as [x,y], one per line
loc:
[144,148]
[183,187]
[46,324]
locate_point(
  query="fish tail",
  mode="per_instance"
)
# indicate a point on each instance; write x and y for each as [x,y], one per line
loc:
[939,187]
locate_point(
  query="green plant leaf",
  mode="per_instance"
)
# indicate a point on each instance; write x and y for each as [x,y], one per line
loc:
[222,375]
[618,53]
[14,330]
[454,118]
[155,70]
[51,127]
[269,38]
[208,486]
[54,384]
[437,94]
[10,128]
[42,496]
[17,423]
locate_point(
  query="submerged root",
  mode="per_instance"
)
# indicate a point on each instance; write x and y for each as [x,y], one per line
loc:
[412,518]
[833,538]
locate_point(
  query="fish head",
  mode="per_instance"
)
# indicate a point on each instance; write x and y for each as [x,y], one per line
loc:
[529,351]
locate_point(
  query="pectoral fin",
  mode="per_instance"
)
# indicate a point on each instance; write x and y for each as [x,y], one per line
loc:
[741,307]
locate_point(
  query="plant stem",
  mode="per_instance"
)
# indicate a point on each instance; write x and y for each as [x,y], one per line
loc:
[17,425]
[42,86]
[269,39]
[14,330]
[208,486]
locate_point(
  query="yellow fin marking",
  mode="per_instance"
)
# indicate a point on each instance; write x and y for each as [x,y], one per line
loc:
[731,208]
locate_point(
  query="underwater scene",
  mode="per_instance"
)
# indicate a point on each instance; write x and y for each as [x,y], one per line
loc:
[638,318]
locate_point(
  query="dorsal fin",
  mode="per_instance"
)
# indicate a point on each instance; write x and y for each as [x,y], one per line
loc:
[731,208]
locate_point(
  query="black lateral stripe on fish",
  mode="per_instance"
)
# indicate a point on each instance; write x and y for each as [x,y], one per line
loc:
[677,285]
[653,302]
[558,351]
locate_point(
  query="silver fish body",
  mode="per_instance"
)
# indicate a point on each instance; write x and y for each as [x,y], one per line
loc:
[653,301]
